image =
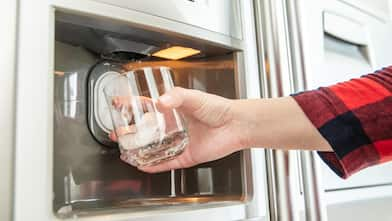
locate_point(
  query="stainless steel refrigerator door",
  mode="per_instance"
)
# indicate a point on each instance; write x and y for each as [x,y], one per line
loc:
[293,175]
[353,43]
[354,50]
[284,183]
[34,133]
[310,174]
[8,24]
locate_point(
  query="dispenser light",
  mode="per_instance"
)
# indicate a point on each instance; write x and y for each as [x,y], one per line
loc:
[176,53]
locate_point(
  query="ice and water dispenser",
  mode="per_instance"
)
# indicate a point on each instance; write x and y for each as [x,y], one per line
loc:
[88,174]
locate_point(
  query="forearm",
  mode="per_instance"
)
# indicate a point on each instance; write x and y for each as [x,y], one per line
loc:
[277,123]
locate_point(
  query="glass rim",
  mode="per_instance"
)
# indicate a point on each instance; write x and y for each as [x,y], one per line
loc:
[124,75]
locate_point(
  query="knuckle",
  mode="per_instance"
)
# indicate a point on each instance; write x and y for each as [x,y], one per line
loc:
[177,89]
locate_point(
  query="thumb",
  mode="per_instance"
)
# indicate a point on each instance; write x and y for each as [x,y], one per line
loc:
[185,99]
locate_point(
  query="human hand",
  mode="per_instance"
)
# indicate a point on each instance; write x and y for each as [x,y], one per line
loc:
[213,130]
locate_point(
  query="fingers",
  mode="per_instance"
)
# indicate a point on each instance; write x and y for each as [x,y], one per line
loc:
[119,102]
[131,129]
[113,136]
[126,101]
[184,99]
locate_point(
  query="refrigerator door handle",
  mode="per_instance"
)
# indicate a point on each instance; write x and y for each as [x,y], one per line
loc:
[314,207]
[281,54]
[344,28]
[310,174]
[274,60]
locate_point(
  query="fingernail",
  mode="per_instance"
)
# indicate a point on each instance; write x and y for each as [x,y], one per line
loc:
[112,136]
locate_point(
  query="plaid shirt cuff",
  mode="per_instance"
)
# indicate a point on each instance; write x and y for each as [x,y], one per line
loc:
[355,117]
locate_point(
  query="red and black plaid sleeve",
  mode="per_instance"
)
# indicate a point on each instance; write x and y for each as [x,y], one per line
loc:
[355,117]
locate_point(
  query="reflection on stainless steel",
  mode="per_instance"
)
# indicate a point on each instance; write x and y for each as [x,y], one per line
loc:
[70,86]
[172,183]
[68,95]
[181,200]
[314,207]
[88,174]
[153,205]
[182,182]
[205,181]
[67,190]
[70,109]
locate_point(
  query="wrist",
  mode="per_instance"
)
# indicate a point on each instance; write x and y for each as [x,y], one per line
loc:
[241,124]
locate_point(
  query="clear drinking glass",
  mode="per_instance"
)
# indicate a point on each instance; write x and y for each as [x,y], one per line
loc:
[146,132]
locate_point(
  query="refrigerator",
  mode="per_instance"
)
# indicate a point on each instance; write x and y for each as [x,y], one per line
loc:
[58,164]
[325,42]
